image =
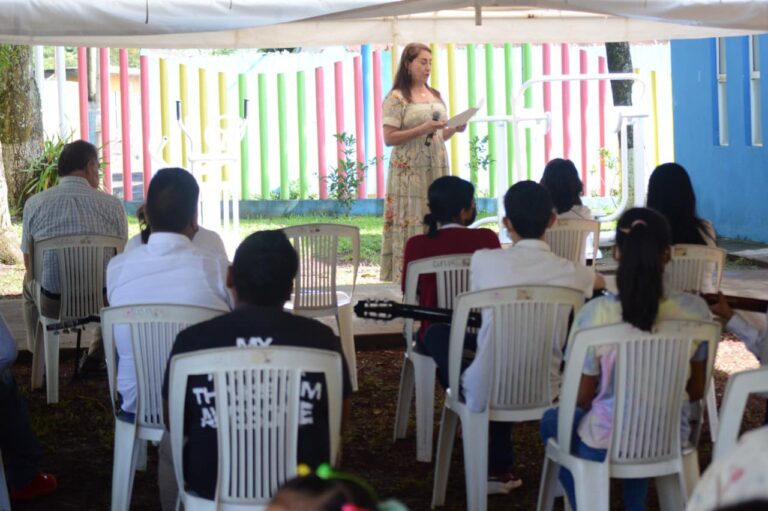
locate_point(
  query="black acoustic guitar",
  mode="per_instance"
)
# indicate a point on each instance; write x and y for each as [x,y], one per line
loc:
[743,303]
[386,310]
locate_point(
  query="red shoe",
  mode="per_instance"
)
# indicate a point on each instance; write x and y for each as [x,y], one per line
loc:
[42,484]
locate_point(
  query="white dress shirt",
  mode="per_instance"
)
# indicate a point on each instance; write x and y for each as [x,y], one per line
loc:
[527,262]
[754,339]
[169,269]
[204,239]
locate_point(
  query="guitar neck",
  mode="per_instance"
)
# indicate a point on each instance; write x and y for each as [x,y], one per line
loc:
[743,303]
[370,310]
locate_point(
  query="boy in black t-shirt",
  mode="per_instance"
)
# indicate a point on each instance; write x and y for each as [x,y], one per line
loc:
[261,279]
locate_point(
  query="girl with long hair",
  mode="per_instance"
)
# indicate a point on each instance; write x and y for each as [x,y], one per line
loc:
[670,192]
[414,124]
[642,250]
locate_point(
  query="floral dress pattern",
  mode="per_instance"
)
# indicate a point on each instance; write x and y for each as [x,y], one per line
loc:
[412,168]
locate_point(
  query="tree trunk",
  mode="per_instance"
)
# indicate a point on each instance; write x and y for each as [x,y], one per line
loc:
[21,138]
[620,61]
[9,242]
[21,123]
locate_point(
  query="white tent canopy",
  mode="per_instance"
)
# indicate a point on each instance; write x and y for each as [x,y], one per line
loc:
[232,24]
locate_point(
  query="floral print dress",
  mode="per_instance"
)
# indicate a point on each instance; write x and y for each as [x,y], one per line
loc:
[412,168]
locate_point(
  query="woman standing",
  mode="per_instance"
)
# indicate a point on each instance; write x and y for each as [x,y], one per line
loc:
[414,123]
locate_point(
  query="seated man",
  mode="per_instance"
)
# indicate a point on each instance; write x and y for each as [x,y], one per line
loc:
[169,269]
[18,445]
[452,208]
[261,279]
[529,261]
[74,206]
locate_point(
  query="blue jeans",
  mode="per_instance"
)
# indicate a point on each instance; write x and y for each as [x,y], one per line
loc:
[633,490]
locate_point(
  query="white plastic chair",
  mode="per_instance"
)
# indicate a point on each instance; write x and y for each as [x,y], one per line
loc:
[81,283]
[568,238]
[314,291]
[740,386]
[650,376]
[418,373]
[5,501]
[696,269]
[248,476]
[529,323]
[153,331]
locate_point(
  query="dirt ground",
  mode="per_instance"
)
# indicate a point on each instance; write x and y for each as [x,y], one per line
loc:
[77,434]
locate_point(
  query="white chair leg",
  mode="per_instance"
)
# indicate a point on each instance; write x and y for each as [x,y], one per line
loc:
[38,362]
[123,465]
[141,454]
[404,398]
[51,342]
[475,442]
[592,484]
[714,422]
[691,471]
[424,373]
[347,336]
[671,491]
[549,486]
[5,501]
[445,438]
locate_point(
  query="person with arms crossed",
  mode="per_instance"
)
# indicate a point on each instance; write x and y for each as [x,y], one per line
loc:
[414,123]
[74,206]
[261,280]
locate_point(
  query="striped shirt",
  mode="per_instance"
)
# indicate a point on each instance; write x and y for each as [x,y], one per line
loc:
[70,208]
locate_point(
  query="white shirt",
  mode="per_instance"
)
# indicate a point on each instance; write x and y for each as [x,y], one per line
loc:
[753,338]
[169,269]
[204,239]
[527,262]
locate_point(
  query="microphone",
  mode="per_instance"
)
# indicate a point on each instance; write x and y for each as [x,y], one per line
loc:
[428,140]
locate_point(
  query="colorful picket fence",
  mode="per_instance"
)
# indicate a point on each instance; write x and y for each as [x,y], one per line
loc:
[164,81]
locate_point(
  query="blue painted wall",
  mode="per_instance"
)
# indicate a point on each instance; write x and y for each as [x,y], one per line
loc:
[731,182]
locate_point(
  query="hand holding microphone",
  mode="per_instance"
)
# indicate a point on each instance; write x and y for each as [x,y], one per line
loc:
[434,125]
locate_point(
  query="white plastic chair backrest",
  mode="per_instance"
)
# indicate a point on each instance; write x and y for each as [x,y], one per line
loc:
[451,274]
[737,391]
[81,270]
[528,321]
[256,392]
[153,332]
[317,245]
[568,238]
[695,268]
[650,376]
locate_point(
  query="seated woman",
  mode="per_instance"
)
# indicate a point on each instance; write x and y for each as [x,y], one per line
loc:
[642,250]
[670,193]
[452,208]
[562,181]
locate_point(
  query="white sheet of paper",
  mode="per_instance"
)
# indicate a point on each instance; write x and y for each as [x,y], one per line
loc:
[463,117]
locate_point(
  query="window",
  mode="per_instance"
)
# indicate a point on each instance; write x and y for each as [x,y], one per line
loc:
[755,121]
[722,96]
